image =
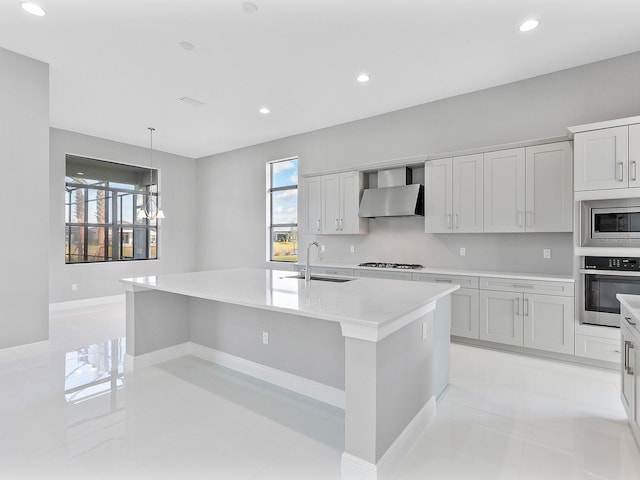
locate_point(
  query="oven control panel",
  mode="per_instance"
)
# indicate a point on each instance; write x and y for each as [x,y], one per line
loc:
[612,263]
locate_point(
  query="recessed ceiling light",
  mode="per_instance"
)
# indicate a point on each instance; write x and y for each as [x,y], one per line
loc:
[187,46]
[264,111]
[363,78]
[248,7]
[529,25]
[33,9]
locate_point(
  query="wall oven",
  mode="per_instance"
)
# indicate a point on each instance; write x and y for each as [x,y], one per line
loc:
[610,223]
[601,278]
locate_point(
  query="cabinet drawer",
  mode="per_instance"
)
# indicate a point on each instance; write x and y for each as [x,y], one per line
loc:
[598,348]
[626,318]
[542,287]
[463,281]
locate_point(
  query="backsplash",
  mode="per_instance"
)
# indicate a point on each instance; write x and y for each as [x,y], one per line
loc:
[402,240]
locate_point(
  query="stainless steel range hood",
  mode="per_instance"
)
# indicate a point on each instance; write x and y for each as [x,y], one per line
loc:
[394,197]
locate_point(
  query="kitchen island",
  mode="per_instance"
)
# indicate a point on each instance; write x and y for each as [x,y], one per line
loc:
[377,348]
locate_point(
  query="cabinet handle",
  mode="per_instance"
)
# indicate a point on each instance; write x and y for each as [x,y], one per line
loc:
[517,306]
[628,319]
[632,171]
[629,369]
[521,285]
[449,220]
[526,307]
[443,280]
[318,224]
[621,170]
[455,221]
[626,355]
[341,224]
[337,228]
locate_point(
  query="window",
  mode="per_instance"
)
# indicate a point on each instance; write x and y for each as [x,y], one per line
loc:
[283,210]
[109,211]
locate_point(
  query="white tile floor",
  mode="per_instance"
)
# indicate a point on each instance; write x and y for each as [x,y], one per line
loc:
[74,414]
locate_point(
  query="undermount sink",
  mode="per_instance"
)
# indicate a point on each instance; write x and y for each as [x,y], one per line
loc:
[322,278]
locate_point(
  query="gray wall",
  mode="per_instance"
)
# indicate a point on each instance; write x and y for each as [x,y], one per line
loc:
[24,146]
[233,183]
[177,239]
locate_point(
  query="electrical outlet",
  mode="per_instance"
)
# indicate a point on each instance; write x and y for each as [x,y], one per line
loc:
[424,330]
[322,248]
[352,249]
[74,287]
[463,251]
[265,338]
[546,253]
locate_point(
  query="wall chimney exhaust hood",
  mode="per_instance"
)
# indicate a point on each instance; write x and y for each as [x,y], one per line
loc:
[394,197]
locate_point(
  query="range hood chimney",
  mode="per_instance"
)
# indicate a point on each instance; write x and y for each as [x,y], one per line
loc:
[394,197]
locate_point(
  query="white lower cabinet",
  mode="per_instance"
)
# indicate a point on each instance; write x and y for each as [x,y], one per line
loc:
[630,373]
[549,323]
[501,317]
[464,302]
[524,314]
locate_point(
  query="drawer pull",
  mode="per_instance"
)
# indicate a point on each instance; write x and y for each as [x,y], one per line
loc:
[443,280]
[522,285]
[628,319]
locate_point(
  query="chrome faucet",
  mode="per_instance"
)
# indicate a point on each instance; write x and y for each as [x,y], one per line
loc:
[307,270]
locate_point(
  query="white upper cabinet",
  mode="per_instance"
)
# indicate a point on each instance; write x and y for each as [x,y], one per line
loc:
[549,192]
[529,189]
[454,194]
[330,204]
[438,196]
[312,205]
[602,159]
[504,191]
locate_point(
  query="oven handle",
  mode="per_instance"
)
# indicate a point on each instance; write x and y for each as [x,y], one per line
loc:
[618,273]
[628,319]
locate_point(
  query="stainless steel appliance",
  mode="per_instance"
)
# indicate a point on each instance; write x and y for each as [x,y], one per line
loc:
[396,196]
[403,266]
[610,223]
[601,278]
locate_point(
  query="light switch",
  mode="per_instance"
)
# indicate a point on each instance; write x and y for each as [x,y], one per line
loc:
[546,253]
[463,251]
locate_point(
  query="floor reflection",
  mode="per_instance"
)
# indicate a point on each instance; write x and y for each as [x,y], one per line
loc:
[94,370]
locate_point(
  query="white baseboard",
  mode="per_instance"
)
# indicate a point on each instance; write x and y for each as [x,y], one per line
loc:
[22,351]
[132,363]
[304,386]
[87,302]
[354,468]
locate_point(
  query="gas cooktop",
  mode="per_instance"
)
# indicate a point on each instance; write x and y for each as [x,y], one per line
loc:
[404,266]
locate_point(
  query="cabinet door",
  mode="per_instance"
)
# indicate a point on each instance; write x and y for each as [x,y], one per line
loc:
[465,312]
[634,155]
[501,317]
[331,203]
[601,159]
[549,188]
[549,323]
[627,374]
[468,193]
[437,196]
[312,205]
[504,191]
[349,222]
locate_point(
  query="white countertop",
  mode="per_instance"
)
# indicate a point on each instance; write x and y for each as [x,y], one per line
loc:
[376,305]
[452,271]
[631,303]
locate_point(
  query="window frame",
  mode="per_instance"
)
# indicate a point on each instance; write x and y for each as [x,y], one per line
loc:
[271,226]
[114,225]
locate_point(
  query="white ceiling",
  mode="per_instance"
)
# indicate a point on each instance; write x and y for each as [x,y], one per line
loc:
[117,66]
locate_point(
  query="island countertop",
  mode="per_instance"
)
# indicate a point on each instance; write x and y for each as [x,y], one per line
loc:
[366,308]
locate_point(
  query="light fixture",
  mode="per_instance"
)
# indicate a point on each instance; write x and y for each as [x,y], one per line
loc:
[264,111]
[248,7]
[152,208]
[33,9]
[529,25]
[363,78]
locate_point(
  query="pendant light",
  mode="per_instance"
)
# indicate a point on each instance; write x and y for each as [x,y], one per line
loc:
[152,208]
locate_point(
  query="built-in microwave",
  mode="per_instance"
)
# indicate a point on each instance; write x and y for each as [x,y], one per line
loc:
[610,223]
